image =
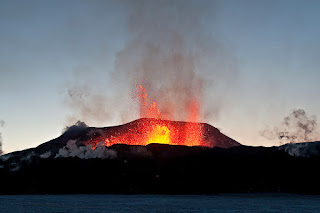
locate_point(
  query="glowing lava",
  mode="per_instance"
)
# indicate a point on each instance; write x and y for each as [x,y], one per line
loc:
[148,108]
[159,134]
[152,129]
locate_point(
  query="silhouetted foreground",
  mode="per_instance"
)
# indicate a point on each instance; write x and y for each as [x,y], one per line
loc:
[156,168]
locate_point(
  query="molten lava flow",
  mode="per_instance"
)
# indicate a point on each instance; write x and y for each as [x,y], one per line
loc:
[159,134]
[193,134]
[149,130]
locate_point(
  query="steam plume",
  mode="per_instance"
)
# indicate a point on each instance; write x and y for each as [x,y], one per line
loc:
[182,67]
[74,129]
[84,152]
[296,127]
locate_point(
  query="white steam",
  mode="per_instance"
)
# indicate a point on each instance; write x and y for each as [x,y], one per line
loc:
[303,149]
[86,152]
[296,127]
[46,155]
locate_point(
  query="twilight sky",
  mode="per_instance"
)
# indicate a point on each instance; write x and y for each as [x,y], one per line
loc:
[259,60]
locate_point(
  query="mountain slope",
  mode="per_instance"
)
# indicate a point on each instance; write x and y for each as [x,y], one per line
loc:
[76,162]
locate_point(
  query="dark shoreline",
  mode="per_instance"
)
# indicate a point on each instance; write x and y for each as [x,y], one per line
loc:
[160,203]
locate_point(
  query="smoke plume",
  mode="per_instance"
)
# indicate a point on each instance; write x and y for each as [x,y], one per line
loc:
[76,128]
[296,127]
[303,149]
[88,102]
[182,67]
[1,125]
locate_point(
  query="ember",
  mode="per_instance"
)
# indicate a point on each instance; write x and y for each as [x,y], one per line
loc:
[155,130]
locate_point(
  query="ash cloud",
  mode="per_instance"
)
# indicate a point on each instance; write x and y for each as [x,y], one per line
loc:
[296,127]
[88,103]
[76,128]
[2,123]
[178,61]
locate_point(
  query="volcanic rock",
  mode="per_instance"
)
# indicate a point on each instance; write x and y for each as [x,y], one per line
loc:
[68,164]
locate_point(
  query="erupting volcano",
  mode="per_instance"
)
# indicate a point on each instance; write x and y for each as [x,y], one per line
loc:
[150,130]
[153,129]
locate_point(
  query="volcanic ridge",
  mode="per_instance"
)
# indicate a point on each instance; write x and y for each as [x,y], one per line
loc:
[158,156]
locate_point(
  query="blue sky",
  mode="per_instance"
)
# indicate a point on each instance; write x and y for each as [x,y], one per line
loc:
[47,47]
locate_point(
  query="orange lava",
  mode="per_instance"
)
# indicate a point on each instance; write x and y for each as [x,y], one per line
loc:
[159,134]
[148,108]
[156,130]
[147,131]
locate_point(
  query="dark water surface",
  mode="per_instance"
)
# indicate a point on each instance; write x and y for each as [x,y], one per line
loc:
[160,203]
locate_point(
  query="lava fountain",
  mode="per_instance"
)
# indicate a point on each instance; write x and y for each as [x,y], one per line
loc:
[145,131]
[153,129]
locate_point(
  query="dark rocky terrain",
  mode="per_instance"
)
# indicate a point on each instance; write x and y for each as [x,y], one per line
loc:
[66,165]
